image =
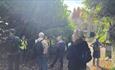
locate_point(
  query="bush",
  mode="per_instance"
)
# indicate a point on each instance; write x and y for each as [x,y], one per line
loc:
[112,32]
[113,68]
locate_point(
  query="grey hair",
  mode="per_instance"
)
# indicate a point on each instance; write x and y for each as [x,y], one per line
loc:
[41,35]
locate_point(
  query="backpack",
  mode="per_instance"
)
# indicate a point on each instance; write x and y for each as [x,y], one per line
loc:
[61,46]
[38,48]
[86,53]
[96,46]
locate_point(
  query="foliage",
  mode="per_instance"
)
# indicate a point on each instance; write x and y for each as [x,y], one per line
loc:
[102,32]
[30,17]
[105,7]
[101,16]
[112,32]
[113,68]
[3,30]
[71,24]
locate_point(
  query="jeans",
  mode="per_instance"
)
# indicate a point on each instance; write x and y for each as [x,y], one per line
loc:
[42,62]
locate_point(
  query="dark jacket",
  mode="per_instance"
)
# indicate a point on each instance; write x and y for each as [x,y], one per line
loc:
[74,56]
[13,43]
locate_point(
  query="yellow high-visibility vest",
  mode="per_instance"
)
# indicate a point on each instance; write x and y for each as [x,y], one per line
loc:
[23,45]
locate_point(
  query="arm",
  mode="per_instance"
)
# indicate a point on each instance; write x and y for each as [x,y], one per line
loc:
[100,45]
[92,45]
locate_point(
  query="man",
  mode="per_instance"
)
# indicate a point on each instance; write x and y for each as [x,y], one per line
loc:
[23,49]
[13,43]
[41,49]
[96,51]
[59,53]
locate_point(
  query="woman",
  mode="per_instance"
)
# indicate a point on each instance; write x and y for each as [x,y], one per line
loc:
[75,52]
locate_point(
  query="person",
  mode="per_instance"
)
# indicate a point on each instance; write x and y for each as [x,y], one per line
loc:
[60,45]
[78,53]
[23,49]
[41,49]
[96,51]
[13,43]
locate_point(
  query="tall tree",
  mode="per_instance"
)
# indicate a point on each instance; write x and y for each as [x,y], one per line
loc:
[31,16]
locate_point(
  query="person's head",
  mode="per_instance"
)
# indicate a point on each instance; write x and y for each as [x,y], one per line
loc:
[23,37]
[74,36]
[77,35]
[41,35]
[59,38]
[12,32]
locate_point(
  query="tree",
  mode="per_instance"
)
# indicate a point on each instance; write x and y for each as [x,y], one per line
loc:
[31,16]
[104,9]
[106,6]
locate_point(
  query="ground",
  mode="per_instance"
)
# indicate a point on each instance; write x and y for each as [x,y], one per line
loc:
[104,65]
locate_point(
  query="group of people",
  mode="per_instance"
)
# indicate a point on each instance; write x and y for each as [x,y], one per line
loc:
[78,53]
[17,47]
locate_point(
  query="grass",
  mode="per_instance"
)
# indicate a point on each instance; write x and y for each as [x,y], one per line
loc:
[112,67]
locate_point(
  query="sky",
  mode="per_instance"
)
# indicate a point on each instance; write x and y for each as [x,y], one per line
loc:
[73,4]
